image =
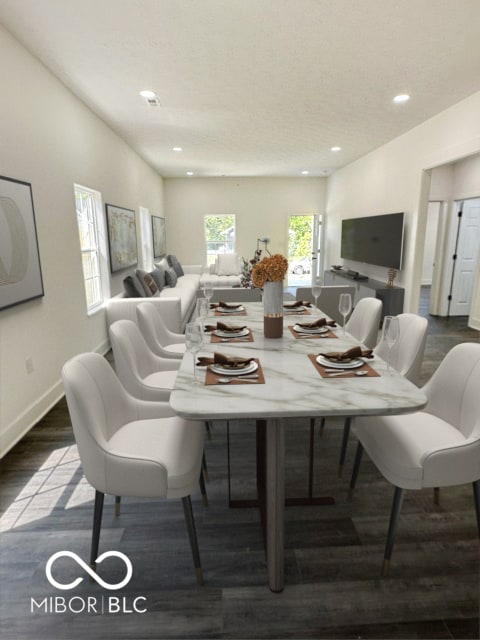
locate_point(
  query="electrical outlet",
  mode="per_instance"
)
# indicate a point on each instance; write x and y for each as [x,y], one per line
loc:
[29,365]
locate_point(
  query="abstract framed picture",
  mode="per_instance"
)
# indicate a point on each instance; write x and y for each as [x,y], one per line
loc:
[122,237]
[159,238]
[20,269]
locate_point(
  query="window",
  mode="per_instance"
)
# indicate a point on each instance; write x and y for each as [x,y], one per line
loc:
[91,227]
[219,235]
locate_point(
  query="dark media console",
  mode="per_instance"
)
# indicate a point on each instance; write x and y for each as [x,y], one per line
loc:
[391,297]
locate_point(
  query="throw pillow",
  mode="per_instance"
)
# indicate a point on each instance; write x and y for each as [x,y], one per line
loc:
[148,283]
[175,264]
[158,274]
[133,288]
[228,264]
[171,277]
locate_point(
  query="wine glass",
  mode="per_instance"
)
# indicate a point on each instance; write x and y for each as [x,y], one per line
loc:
[316,291]
[202,309]
[391,333]
[208,291]
[193,342]
[345,306]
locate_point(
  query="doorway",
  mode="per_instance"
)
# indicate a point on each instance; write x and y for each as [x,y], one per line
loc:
[304,249]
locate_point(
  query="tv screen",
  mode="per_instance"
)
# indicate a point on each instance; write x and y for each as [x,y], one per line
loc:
[376,240]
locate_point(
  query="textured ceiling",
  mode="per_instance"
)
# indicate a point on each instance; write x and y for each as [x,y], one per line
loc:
[256,87]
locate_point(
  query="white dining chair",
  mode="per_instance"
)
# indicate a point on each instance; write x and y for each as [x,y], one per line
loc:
[130,447]
[328,299]
[160,339]
[364,322]
[436,447]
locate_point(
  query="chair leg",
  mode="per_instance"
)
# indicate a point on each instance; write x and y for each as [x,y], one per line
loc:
[436,495]
[204,467]
[476,497]
[207,429]
[97,523]
[392,528]
[229,481]
[192,535]
[343,451]
[203,489]
[311,457]
[322,427]
[356,467]
[117,505]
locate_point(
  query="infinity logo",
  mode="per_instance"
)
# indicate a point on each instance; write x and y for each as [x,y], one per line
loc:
[97,578]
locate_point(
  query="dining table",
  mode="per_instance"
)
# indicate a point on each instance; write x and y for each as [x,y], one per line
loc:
[290,384]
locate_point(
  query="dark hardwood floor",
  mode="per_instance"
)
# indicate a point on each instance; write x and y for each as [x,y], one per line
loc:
[333,554]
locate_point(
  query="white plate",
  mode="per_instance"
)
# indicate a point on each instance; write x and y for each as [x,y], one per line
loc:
[231,334]
[354,364]
[314,330]
[250,368]
[224,310]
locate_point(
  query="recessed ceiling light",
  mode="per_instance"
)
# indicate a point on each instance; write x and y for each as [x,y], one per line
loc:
[402,97]
[335,149]
[148,95]
[189,173]
[177,149]
[305,173]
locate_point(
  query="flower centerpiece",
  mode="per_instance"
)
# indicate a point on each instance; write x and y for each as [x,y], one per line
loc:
[269,274]
[247,266]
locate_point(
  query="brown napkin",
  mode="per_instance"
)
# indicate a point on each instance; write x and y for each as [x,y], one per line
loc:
[321,322]
[297,303]
[227,328]
[225,305]
[350,354]
[229,361]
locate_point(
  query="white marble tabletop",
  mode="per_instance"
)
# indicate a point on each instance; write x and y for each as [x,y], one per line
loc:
[293,387]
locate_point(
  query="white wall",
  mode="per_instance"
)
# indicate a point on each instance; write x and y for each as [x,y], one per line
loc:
[50,139]
[262,207]
[394,178]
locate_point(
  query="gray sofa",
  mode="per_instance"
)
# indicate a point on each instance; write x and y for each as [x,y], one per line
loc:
[176,303]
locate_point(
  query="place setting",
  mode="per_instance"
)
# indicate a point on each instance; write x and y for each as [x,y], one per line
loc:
[320,328]
[347,364]
[228,308]
[297,307]
[222,332]
[223,369]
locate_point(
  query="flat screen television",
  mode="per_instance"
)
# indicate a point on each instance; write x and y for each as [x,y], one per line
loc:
[376,240]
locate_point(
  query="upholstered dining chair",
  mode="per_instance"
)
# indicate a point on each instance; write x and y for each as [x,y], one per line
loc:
[143,373]
[406,358]
[130,447]
[436,447]
[160,339]
[328,298]
[364,321]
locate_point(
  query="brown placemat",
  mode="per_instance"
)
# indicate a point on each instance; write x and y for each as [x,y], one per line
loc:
[304,336]
[215,338]
[371,373]
[212,378]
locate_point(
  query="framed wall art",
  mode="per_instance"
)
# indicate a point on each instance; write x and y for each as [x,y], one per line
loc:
[20,269]
[122,237]
[159,238]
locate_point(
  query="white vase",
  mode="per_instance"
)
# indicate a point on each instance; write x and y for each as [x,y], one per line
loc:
[273,309]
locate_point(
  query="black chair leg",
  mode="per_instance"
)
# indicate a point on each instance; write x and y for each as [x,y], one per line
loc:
[192,535]
[97,523]
[207,428]
[392,528]
[117,505]
[204,467]
[311,457]
[203,489]
[356,467]
[476,497]
[322,426]
[343,451]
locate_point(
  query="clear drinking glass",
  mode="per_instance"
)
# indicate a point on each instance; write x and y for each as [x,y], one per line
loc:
[316,291]
[202,309]
[345,306]
[391,333]
[193,342]
[208,291]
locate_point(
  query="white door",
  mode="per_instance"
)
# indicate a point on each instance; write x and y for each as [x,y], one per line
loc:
[467,254]
[304,243]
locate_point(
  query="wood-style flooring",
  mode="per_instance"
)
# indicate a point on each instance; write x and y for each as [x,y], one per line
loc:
[333,554]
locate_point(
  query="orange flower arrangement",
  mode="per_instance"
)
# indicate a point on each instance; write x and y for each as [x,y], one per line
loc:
[269,269]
